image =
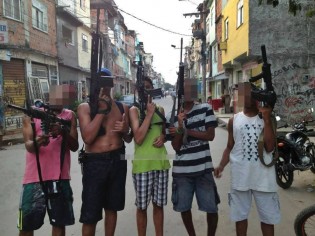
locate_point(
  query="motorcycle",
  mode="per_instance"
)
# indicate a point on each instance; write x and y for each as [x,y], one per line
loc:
[304,222]
[296,152]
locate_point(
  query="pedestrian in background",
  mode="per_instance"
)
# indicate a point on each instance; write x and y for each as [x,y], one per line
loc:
[46,181]
[192,169]
[249,177]
[150,164]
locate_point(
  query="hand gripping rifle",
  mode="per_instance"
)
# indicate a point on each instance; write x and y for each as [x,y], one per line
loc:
[46,116]
[267,97]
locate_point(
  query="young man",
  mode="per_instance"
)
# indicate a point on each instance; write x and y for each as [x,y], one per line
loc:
[192,168]
[104,165]
[52,191]
[249,177]
[150,167]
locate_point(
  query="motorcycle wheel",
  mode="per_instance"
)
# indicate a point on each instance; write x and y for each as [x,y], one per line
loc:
[304,223]
[284,176]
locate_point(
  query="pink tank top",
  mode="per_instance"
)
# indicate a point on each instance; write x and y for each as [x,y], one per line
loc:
[49,157]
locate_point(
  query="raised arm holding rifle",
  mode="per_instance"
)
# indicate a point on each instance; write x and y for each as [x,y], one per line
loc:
[104,124]
[249,176]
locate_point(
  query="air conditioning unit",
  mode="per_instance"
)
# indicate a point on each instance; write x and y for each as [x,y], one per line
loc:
[222,46]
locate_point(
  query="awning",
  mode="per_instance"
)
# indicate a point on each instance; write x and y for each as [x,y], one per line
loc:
[220,76]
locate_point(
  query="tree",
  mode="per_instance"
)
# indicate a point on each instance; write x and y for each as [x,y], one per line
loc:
[295,6]
[167,86]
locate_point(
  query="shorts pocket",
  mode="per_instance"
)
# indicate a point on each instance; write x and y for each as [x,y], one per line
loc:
[229,198]
[174,193]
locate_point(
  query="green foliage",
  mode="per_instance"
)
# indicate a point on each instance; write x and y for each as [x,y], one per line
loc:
[74,106]
[117,96]
[167,86]
[294,6]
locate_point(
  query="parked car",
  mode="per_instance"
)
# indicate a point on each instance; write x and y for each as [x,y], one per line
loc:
[128,100]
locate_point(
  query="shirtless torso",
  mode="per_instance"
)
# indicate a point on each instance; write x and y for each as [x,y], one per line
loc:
[114,123]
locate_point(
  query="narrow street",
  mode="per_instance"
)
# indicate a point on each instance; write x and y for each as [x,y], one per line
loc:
[292,201]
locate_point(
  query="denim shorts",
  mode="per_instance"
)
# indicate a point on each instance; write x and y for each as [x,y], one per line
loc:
[33,206]
[104,181]
[184,188]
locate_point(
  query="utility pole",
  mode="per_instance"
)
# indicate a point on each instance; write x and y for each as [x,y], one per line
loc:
[202,12]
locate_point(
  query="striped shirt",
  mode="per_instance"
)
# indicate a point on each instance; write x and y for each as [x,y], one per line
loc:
[194,158]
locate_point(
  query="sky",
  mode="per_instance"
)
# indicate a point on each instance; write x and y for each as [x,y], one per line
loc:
[166,14]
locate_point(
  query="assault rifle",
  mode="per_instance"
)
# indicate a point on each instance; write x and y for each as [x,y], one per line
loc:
[96,63]
[268,95]
[47,117]
[140,88]
[142,93]
[179,89]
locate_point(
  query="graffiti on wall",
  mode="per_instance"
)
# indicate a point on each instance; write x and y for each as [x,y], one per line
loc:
[295,93]
[14,93]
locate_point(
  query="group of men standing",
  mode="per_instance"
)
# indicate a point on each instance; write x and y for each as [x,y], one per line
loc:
[104,167]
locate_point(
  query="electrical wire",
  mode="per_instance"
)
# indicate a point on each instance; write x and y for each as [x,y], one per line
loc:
[144,21]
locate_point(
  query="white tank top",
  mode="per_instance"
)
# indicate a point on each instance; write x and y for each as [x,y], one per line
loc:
[247,172]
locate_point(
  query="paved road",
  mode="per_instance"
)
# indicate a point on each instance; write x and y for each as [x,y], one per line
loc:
[300,195]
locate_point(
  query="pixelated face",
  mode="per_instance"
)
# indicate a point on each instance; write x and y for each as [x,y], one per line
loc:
[61,96]
[190,90]
[244,95]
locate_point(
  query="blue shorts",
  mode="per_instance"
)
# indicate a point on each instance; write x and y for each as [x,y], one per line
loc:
[183,189]
[104,180]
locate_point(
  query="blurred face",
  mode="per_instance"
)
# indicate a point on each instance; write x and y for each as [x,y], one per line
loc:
[61,96]
[190,90]
[244,96]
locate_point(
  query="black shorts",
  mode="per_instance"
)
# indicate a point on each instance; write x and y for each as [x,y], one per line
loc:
[33,206]
[104,181]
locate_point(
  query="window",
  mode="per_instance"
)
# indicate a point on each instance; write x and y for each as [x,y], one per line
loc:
[53,75]
[82,4]
[84,43]
[67,35]
[39,16]
[226,29]
[240,15]
[12,9]
[239,76]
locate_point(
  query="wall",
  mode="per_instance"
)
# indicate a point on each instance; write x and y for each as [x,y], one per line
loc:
[67,53]
[290,46]
[237,42]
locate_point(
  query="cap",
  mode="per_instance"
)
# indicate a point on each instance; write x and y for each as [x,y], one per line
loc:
[106,72]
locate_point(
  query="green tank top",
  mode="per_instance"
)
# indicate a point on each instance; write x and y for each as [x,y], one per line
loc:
[147,157]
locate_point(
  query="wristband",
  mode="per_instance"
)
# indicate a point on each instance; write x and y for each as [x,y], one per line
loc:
[109,106]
